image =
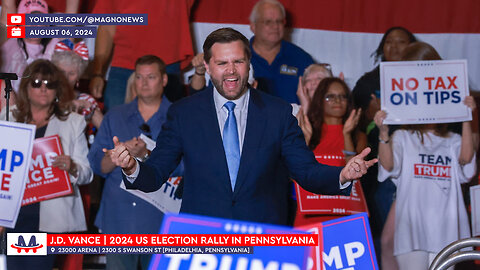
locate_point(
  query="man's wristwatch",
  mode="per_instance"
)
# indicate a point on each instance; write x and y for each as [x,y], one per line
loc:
[145,157]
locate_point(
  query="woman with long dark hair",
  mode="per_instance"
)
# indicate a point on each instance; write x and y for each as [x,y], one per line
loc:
[429,212]
[365,95]
[330,130]
[43,100]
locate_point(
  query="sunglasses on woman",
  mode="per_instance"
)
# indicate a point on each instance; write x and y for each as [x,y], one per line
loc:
[38,83]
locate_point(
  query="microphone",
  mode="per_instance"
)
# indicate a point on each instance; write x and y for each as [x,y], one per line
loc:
[8,76]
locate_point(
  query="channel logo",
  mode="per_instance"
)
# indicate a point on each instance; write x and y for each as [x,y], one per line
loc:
[26,244]
[15,19]
[15,32]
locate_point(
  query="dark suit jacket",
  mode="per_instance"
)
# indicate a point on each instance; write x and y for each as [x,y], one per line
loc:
[272,142]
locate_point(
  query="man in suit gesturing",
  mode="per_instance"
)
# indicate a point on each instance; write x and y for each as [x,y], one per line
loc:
[235,142]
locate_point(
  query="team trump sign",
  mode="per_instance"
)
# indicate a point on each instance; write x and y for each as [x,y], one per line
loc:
[421,92]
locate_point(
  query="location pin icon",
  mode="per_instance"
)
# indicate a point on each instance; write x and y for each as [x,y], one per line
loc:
[52,249]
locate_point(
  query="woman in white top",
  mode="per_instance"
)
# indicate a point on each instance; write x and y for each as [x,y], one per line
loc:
[43,100]
[428,163]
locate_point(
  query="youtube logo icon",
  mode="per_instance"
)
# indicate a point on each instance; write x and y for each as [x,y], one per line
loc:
[15,19]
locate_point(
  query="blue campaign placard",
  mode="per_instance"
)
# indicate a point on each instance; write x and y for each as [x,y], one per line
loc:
[347,243]
[291,258]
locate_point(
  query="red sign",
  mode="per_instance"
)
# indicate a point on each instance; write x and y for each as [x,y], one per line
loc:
[44,181]
[317,204]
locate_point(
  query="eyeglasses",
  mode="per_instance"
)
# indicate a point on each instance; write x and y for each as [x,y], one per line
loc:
[333,97]
[38,83]
[272,22]
[145,128]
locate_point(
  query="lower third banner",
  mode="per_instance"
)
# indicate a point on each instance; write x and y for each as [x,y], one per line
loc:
[264,257]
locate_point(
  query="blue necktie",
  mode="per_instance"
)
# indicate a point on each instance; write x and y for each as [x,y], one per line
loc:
[231,143]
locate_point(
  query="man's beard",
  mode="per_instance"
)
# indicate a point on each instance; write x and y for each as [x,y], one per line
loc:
[243,83]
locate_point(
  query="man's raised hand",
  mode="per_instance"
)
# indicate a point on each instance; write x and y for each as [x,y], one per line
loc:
[120,156]
[357,166]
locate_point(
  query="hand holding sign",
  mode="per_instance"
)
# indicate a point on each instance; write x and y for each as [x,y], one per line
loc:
[470,102]
[380,116]
[63,162]
[357,167]
[120,156]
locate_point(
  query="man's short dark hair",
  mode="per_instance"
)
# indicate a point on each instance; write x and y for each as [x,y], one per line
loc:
[151,59]
[224,35]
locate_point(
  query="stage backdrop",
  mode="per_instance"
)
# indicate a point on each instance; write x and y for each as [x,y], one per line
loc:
[345,33]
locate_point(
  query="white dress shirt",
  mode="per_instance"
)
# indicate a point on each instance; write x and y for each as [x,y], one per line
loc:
[240,110]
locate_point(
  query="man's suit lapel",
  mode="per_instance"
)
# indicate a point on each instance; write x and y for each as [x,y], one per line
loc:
[213,137]
[256,122]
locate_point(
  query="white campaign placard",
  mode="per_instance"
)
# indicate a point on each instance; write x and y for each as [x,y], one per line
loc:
[163,199]
[421,92]
[475,202]
[16,142]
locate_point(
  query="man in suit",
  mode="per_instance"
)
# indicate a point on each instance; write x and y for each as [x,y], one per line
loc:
[233,140]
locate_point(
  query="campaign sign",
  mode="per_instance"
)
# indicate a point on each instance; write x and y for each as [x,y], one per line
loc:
[45,181]
[16,143]
[318,204]
[164,198]
[263,257]
[347,244]
[421,92]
